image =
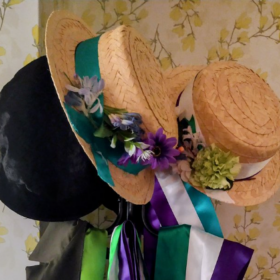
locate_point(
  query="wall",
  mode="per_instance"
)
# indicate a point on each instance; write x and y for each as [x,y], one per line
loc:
[18,40]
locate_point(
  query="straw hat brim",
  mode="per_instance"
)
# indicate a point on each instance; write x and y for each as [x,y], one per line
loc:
[255,190]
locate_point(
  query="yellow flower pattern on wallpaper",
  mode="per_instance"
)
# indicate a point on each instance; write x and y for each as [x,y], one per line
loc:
[186,17]
[2,53]
[32,240]
[122,12]
[162,54]
[3,231]
[6,5]
[35,35]
[231,42]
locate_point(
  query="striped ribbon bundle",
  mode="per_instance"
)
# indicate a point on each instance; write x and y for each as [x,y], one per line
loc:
[190,243]
[126,260]
[185,252]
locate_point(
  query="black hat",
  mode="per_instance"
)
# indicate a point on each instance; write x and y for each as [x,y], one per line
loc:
[44,172]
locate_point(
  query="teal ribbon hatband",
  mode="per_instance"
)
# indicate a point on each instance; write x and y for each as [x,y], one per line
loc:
[87,64]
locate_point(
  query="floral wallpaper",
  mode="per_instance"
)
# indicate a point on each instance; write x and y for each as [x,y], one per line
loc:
[195,32]
[18,46]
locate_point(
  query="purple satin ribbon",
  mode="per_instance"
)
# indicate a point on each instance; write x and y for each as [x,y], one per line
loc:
[162,207]
[150,241]
[232,262]
[160,213]
[130,256]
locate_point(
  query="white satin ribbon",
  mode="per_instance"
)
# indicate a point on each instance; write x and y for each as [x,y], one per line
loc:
[203,253]
[185,109]
[178,198]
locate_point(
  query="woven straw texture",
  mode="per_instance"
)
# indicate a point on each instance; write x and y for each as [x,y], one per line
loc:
[133,80]
[177,78]
[239,112]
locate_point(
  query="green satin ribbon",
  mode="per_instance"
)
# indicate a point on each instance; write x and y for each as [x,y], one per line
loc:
[86,64]
[113,258]
[94,256]
[172,253]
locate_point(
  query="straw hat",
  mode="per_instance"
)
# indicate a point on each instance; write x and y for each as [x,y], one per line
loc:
[237,110]
[133,80]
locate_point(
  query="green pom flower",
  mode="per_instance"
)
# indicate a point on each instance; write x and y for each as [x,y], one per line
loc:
[214,168]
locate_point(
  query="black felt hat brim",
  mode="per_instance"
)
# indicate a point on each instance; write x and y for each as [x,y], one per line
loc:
[44,172]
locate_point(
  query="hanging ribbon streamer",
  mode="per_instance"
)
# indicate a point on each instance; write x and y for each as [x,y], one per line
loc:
[191,237]
[187,253]
[177,203]
[94,255]
[126,260]
[150,240]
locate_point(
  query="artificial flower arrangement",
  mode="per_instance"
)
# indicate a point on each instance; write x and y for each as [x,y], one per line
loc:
[209,167]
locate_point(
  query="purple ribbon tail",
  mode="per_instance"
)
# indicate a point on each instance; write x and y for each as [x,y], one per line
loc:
[162,207]
[131,263]
[150,242]
[232,262]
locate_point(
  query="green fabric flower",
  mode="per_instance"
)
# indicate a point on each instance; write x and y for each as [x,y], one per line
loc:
[214,168]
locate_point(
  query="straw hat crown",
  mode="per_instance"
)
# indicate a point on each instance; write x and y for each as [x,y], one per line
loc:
[238,111]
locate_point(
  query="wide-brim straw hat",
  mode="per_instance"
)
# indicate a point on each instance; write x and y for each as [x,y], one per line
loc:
[133,80]
[239,112]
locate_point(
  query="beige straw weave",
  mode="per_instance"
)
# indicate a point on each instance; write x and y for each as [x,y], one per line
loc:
[177,78]
[240,113]
[133,80]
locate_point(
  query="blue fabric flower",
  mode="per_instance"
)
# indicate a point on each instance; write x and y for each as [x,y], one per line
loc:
[90,90]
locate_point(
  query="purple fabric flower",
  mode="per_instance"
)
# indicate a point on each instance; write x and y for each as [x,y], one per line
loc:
[126,157]
[162,148]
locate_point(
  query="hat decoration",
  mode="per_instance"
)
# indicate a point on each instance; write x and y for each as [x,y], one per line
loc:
[114,134]
[124,142]
[133,96]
